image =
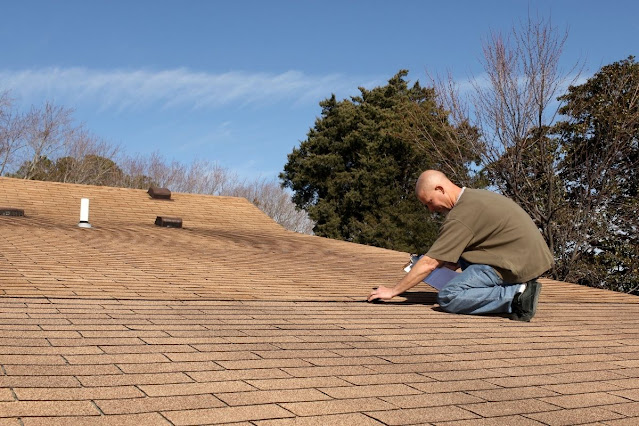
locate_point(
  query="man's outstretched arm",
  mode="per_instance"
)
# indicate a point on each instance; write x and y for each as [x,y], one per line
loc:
[418,272]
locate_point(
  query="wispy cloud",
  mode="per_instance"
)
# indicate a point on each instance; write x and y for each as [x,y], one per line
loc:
[134,89]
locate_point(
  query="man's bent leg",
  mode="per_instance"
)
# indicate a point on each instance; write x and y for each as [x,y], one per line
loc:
[477,290]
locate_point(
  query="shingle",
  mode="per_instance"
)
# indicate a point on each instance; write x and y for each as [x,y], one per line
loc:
[431,400]
[584,400]
[630,409]
[47,408]
[6,395]
[227,414]
[319,408]
[195,388]
[295,383]
[421,415]
[503,408]
[512,394]
[146,419]
[156,404]
[363,391]
[270,396]
[354,419]
[497,421]
[76,394]
[575,416]
[133,379]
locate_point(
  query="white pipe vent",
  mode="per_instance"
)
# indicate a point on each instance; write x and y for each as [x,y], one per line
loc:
[84,213]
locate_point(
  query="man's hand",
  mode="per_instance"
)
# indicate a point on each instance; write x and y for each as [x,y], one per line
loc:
[418,272]
[381,292]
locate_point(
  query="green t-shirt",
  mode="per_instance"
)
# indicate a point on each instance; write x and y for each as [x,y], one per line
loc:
[488,228]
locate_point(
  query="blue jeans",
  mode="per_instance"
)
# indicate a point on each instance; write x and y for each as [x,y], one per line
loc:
[477,290]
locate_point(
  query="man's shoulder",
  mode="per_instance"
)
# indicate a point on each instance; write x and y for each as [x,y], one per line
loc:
[479,195]
[479,202]
[481,192]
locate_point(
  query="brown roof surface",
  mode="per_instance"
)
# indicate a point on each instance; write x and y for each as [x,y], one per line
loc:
[234,320]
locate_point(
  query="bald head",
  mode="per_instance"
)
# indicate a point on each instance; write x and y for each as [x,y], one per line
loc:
[436,191]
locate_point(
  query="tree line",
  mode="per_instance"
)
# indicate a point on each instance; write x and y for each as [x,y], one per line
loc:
[46,143]
[563,149]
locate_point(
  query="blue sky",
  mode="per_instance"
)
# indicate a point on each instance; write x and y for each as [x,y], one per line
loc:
[238,82]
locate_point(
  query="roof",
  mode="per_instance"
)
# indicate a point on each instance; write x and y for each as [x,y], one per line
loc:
[232,319]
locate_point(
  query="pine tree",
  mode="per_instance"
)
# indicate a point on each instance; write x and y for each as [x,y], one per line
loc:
[355,173]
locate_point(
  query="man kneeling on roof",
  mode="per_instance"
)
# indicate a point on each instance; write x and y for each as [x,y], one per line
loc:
[497,245]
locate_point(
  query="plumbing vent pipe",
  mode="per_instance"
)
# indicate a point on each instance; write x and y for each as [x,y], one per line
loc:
[10,211]
[84,213]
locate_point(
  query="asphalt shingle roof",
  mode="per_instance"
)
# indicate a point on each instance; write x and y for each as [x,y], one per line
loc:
[234,320]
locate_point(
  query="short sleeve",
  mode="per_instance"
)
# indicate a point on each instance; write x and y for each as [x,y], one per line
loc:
[451,242]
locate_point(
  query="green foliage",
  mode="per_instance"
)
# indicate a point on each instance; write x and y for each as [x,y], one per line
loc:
[599,167]
[355,173]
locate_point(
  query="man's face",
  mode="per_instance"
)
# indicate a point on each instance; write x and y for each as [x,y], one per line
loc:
[435,201]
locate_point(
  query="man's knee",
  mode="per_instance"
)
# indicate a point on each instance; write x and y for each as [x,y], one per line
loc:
[446,297]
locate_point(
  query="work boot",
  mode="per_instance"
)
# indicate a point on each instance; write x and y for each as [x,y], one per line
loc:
[524,305]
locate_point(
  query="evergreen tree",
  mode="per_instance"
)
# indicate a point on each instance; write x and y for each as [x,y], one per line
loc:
[355,173]
[600,139]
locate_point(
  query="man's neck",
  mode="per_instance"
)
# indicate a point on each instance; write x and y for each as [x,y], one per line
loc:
[457,193]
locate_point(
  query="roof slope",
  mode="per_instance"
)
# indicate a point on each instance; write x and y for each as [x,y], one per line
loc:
[233,319]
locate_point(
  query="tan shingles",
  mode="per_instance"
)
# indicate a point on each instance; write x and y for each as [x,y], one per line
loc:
[26,369]
[6,395]
[454,385]
[196,388]
[355,419]
[503,408]
[133,379]
[363,391]
[313,382]
[318,408]
[178,324]
[38,381]
[628,421]
[155,404]
[431,400]
[421,415]
[512,394]
[47,408]
[592,399]
[270,396]
[630,409]
[227,414]
[377,379]
[146,419]
[575,416]
[76,394]
[498,421]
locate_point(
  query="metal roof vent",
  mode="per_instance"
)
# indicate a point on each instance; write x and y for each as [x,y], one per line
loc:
[10,211]
[169,222]
[159,193]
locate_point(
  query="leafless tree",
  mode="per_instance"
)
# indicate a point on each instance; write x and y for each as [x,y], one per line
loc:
[276,202]
[12,127]
[511,107]
[87,159]
[201,176]
[47,131]
[204,177]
